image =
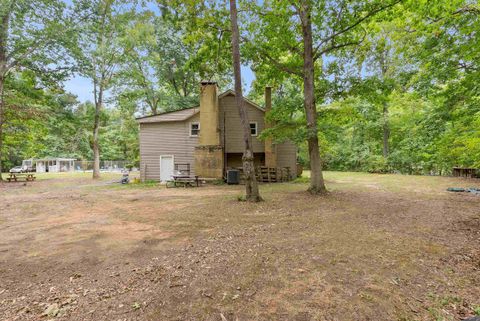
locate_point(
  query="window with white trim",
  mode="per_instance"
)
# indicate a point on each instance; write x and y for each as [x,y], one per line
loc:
[194,129]
[253,129]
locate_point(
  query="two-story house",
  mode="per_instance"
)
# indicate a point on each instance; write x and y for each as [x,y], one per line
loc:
[208,138]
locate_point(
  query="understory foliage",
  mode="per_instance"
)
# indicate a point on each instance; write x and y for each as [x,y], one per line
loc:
[428,134]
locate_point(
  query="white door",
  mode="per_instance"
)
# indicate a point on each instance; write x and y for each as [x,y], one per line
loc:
[166,167]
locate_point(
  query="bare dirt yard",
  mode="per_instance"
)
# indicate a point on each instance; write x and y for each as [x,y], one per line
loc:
[378,247]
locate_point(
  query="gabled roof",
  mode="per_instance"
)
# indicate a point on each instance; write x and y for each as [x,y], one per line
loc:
[232,93]
[184,114]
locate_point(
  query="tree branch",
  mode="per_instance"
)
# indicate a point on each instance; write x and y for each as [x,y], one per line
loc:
[281,66]
[338,46]
[353,25]
[468,9]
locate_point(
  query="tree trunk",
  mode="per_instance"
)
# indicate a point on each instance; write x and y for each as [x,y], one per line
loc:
[251,186]
[317,184]
[96,125]
[386,131]
[386,127]
[5,19]
[2,82]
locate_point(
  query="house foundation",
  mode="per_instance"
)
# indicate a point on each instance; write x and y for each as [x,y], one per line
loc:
[209,161]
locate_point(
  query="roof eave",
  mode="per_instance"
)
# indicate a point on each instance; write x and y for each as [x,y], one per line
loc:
[168,112]
[142,121]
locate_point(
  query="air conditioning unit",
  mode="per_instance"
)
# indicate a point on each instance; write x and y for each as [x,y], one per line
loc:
[233,177]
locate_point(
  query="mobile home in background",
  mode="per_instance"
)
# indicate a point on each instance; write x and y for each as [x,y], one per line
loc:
[58,165]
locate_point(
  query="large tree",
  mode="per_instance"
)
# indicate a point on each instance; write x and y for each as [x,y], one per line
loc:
[203,29]
[138,79]
[412,97]
[296,38]
[251,186]
[156,71]
[382,71]
[99,53]
[30,39]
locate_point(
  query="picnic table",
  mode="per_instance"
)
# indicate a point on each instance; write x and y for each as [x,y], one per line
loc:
[15,177]
[183,180]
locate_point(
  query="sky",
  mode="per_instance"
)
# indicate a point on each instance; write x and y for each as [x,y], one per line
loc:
[83,88]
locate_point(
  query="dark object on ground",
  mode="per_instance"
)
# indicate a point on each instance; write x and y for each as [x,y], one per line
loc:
[233,177]
[476,318]
[125,179]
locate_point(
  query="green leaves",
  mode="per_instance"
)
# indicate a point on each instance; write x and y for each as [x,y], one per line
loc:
[33,39]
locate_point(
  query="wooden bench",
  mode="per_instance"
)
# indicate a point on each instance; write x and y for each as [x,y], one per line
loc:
[185,181]
[16,177]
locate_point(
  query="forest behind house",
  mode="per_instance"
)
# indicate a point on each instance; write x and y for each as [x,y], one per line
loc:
[396,82]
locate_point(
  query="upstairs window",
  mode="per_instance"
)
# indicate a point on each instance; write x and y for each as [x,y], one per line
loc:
[194,129]
[253,129]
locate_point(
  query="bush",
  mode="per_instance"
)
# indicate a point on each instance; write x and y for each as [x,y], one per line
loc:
[377,164]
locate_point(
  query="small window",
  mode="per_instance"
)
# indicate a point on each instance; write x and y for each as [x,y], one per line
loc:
[194,129]
[253,129]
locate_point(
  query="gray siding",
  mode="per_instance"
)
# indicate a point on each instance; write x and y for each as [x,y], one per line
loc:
[286,152]
[171,138]
[287,156]
[234,132]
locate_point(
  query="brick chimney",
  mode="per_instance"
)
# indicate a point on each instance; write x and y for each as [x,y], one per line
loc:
[209,152]
[270,147]
[209,115]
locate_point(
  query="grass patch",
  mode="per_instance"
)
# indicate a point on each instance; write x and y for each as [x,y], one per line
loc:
[476,310]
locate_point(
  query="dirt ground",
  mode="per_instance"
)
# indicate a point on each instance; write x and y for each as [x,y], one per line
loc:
[378,247]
